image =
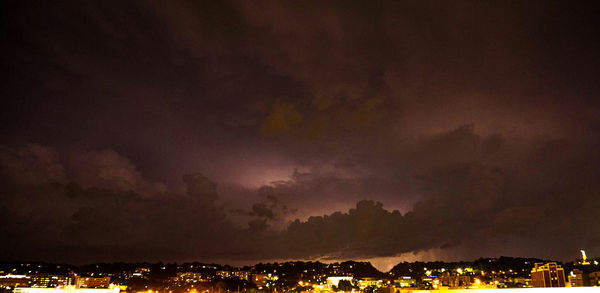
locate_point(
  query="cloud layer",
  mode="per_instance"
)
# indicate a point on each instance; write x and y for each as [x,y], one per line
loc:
[259,130]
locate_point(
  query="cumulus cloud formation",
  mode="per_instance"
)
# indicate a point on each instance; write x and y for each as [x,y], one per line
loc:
[258,130]
[464,203]
[69,220]
[33,164]
[109,170]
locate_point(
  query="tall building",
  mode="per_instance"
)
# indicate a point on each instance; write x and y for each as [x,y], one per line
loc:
[547,275]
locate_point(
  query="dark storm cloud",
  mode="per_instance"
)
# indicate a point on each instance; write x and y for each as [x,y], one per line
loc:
[465,201]
[75,222]
[477,121]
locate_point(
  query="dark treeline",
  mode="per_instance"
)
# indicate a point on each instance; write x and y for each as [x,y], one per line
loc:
[291,268]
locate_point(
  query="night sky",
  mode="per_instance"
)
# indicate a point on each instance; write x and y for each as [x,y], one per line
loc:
[246,131]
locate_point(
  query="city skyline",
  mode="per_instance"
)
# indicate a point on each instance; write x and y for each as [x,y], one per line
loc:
[258,131]
[299,276]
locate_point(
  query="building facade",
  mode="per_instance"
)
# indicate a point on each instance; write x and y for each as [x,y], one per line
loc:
[66,289]
[547,275]
[12,281]
[242,275]
[594,278]
[184,278]
[578,278]
[48,281]
[91,282]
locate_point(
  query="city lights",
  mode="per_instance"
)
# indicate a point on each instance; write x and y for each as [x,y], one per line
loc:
[512,274]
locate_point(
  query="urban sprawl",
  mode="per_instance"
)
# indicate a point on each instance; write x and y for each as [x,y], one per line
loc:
[297,276]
